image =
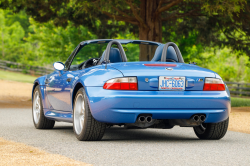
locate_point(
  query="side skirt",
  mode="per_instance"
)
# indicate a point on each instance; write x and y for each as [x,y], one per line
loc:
[61,116]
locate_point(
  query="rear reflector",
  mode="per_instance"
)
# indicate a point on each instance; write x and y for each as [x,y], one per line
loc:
[124,83]
[165,65]
[213,84]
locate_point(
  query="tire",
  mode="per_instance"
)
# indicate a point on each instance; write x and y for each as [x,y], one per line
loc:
[212,131]
[86,128]
[39,120]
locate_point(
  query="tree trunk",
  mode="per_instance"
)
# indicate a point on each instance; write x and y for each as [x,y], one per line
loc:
[152,31]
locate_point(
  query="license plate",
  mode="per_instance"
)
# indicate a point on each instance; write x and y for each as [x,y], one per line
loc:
[171,83]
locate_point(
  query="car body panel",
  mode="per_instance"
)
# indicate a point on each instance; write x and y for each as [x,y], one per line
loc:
[40,82]
[195,75]
[121,106]
[129,68]
[161,104]
[59,92]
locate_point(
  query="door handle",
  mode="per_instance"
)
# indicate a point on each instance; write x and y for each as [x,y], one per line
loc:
[46,81]
[69,79]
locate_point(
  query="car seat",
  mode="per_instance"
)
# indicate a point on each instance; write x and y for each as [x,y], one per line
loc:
[171,54]
[114,55]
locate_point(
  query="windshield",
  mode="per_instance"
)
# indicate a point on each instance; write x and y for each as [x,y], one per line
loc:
[133,52]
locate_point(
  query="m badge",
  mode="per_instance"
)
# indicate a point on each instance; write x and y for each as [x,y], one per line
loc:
[199,80]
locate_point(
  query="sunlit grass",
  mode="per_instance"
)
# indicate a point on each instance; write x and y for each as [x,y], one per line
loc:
[240,102]
[12,76]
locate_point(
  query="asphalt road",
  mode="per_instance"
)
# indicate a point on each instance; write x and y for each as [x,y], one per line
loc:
[178,146]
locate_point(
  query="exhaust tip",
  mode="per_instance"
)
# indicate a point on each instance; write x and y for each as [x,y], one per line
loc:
[196,118]
[141,118]
[149,119]
[202,118]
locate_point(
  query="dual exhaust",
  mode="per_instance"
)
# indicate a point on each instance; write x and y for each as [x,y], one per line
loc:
[145,119]
[199,118]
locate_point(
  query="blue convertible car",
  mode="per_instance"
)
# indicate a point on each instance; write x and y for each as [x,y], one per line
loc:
[97,87]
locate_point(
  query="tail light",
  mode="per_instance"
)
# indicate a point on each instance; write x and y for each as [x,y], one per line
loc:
[213,84]
[124,83]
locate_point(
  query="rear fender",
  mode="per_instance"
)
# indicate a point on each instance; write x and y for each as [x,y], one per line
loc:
[227,90]
[94,77]
[98,76]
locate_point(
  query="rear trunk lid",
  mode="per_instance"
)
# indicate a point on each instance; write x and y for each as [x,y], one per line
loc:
[148,73]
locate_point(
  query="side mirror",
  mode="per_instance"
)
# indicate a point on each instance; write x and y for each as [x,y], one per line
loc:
[59,66]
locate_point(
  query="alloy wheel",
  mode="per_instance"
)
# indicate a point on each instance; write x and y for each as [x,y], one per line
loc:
[79,113]
[36,107]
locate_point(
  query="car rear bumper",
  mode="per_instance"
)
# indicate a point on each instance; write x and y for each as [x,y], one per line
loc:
[116,106]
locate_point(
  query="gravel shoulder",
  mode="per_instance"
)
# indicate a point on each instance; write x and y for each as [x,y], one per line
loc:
[15,94]
[13,153]
[239,120]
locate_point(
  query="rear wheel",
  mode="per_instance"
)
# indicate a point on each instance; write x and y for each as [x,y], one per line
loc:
[212,131]
[86,128]
[39,120]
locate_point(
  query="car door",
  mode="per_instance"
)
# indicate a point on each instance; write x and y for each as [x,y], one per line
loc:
[58,90]
[59,86]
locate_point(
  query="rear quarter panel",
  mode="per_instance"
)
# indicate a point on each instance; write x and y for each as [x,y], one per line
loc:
[94,77]
[97,76]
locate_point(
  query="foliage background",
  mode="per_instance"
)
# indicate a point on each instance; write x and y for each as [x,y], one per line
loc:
[25,41]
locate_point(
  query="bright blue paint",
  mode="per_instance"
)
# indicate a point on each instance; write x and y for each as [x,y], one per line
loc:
[153,83]
[161,104]
[112,106]
[182,69]
[59,115]
[40,82]
[98,75]
[59,90]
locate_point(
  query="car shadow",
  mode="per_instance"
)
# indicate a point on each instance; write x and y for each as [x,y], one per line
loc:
[121,134]
[63,128]
[134,135]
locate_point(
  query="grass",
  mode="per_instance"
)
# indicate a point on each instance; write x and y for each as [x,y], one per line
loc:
[240,102]
[7,75]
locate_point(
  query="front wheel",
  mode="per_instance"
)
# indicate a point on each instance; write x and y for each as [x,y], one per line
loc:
[212,131]
[86,128]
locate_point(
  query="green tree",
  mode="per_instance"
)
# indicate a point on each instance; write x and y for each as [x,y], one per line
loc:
[53,43]
[25,41]
[148,18]
[231,65]
[11,35]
